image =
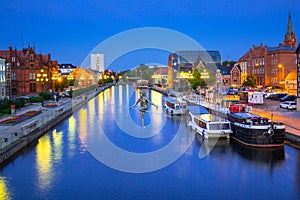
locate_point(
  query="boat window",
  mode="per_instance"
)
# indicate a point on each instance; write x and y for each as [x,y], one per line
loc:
[222,126]
[169,104]
[200,123]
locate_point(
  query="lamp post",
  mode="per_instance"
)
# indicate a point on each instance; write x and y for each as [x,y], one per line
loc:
[42,77]
[281,67]
[54,79]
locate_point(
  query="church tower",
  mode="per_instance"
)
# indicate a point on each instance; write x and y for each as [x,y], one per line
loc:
[290,37]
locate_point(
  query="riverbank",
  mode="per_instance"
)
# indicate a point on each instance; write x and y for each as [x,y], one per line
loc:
[16,137]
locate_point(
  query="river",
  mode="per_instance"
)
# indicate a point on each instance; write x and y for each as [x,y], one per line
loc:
[103,152]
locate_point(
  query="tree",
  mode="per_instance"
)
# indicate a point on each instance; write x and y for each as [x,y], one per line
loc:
[197,81]
[250,81]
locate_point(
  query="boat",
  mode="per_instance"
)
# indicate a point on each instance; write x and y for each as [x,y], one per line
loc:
[206,124]
[142,84]
[253,130]
[174,106]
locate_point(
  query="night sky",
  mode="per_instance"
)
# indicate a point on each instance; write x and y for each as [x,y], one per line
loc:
[70,29]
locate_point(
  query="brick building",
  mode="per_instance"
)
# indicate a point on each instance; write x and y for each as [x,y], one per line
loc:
[2,78]
[231,75]
[271,65]
[298,77]
[27,73]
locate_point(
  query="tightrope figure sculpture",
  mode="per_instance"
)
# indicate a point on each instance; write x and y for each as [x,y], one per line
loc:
[143,100]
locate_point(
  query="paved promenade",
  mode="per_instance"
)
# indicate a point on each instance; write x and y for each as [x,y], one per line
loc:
[290,118]
[12,133]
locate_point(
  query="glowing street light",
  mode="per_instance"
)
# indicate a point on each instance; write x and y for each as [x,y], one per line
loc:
[42,77]
[281,67]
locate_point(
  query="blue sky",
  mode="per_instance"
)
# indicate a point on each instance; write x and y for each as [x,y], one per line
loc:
[70,29]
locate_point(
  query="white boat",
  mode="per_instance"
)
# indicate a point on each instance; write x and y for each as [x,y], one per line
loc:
[206,124]
[142,84]
[174,106]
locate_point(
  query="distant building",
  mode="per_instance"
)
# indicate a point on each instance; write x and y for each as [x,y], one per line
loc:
[271,65]
[97,62]
[231,75]
[2,79]
[82,77]
[160,76]
[95,75]
[186,61]
[28,73]
[65,69]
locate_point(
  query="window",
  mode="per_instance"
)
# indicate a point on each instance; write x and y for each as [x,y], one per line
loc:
[32,76]
[32,87]
[13,76]
[31,57]
[13,59]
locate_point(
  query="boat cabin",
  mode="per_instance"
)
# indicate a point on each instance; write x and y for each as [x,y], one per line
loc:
[174,106]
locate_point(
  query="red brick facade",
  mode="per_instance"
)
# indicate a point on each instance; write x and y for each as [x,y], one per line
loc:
[269,65]
[23,67]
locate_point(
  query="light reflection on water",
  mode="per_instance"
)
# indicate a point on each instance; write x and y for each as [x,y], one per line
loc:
[44,162]
[58,167]
[4,192]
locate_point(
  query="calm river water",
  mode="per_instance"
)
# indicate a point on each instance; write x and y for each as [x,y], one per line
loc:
[103,152]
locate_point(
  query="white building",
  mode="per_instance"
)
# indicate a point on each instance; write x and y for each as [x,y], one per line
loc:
[2,79]
[97,62]
[65,69]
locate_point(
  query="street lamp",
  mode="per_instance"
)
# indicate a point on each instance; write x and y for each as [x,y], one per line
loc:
[42,77]
[281,67]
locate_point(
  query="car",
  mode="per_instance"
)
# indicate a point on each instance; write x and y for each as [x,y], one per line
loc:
[65,94]
[56,96]
[277,96]
[290,105]
[288,98]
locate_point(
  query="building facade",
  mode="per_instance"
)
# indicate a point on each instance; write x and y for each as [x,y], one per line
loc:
[2,79]
[185,61]
[271,65]
[160,76]
[65,69]
[231,75]
[298,77]
[97,62]
[27,73]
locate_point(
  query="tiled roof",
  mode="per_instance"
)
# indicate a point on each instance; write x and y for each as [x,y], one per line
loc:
[282,48]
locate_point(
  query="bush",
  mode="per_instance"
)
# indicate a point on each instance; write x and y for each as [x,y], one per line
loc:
[36,99]
[5,103]
[20,103]
[5,111]
[46,95]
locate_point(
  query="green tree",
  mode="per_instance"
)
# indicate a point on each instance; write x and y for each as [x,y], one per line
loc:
[250,81]
[197,81]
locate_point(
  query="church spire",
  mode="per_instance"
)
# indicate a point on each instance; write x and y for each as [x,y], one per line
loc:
[290,37]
